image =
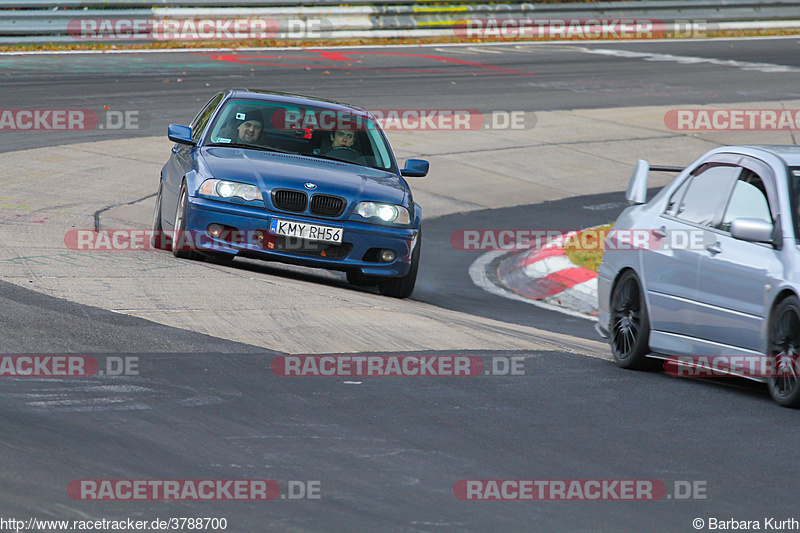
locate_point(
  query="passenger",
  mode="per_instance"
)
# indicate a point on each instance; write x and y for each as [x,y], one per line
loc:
[249,128]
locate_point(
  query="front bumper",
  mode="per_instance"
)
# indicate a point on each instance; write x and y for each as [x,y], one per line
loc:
[356,252]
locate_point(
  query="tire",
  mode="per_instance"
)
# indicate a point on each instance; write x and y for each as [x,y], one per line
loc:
[784,349]
[360,280]
[181,243]
[403,287]
[158,239]
[630,325]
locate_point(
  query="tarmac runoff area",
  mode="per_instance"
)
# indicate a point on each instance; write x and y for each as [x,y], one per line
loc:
[51,191]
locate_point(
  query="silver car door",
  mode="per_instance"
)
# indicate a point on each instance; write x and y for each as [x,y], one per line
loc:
[671,264]
[735,276]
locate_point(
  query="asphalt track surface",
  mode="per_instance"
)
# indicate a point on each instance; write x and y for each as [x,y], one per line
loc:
[532,77]
[387,452]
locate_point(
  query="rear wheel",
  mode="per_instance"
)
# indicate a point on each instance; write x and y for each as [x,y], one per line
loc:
[404,286]
[158,239]
[182,243]
[630,326]
[784,350]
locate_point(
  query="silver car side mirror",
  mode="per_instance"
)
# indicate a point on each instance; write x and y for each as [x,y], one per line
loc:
[752,230]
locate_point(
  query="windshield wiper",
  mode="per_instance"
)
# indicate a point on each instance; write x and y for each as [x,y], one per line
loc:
[340,160]
[323,156]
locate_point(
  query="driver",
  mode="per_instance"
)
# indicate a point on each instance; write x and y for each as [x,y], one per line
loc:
[342,147]
[343,138]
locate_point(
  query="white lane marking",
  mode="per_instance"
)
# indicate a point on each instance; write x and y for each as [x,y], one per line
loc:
[484,50]
[477,272]
[198,401]
[691,60]
[89,404]
[116,388]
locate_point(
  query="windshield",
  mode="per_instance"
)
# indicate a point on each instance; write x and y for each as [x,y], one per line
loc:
[305,130]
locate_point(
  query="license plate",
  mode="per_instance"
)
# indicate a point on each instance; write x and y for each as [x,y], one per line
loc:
[302,230]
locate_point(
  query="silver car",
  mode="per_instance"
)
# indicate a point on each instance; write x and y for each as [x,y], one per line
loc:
[710,268]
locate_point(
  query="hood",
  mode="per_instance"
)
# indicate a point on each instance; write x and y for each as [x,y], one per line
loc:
[272,170]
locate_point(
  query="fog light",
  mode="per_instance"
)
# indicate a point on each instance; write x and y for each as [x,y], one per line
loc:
[386,256]
[215,230]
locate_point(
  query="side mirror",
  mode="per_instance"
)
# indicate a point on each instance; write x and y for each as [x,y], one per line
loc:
[181,134]
[415,168]
[752,230]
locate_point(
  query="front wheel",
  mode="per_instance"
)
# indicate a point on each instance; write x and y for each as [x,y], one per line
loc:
[630,325]
[783,351]
[404,286]
[182,245]
[158,239]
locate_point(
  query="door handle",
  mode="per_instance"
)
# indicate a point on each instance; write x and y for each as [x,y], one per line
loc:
[175,149]
[660,233]
[714,248]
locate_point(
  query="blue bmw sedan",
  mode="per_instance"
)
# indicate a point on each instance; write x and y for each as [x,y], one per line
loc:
[293,179]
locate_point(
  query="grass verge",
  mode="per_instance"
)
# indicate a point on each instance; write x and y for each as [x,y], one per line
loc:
[585,249]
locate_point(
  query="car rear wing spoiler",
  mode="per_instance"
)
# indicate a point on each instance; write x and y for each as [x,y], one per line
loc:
[637,188]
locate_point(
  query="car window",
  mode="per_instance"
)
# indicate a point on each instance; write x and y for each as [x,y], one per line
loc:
[202,118]
[794,200]
[675,201]
[749,200]
[304,130]
[706,194]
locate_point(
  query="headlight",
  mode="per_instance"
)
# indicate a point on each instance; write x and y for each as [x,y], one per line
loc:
[386,212]
[229,189]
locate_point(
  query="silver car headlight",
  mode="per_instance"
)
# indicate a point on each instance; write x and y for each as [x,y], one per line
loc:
[395,214]
[229,189]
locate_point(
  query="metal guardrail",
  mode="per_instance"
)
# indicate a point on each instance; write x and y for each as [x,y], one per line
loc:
[71,21]
[144,4]
[617,6]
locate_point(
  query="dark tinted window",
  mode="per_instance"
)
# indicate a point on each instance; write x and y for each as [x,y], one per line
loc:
[707,194]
